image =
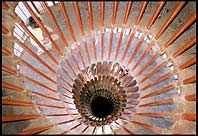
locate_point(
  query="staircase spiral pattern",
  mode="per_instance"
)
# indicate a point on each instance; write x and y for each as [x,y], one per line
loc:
[112,71]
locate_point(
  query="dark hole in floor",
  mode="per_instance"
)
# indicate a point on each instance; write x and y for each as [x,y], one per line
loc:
[101,107]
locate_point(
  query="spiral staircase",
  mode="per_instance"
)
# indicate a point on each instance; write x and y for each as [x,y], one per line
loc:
[117,68]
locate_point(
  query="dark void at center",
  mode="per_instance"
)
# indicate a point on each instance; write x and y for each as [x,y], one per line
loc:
[101,107]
